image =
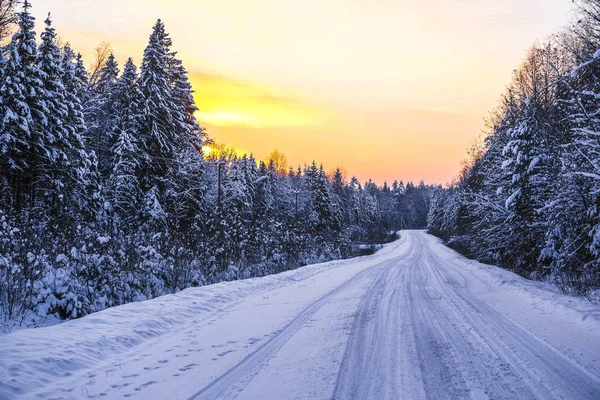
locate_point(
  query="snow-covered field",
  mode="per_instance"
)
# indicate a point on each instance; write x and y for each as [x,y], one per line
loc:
[416,320]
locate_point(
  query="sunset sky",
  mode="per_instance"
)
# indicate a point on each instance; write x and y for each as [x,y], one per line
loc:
[387,89]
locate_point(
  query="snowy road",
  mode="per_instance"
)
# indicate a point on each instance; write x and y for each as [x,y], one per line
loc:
[415,321]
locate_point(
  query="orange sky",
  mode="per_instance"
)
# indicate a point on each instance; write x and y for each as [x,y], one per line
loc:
[387,89]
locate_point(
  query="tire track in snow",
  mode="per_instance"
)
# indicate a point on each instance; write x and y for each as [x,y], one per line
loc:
[370,363]
[425,335]
[236,378]
[541,371]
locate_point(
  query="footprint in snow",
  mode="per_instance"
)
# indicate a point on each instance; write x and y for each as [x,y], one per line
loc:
[187,367]
[117,386]
[144,385]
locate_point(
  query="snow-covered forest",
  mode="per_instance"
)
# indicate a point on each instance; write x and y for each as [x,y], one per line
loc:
[106,197]
[529,197]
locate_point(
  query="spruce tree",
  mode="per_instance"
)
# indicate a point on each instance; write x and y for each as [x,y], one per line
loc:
[524,167]
[123,188]
[62,126]
[160,127]
[21,142]
[101,112]
[82,90]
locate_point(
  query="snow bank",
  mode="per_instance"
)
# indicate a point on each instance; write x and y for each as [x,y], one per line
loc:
[541,295]
[33,358]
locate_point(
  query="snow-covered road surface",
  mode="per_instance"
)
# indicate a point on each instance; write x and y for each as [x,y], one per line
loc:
[414,321]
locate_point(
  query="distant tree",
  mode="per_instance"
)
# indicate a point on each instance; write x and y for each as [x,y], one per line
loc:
[101,55]
[279,161]
[8,18]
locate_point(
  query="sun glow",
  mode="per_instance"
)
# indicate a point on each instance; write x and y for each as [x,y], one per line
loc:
[228,102]
[353,87]
[215,151]
[207,150]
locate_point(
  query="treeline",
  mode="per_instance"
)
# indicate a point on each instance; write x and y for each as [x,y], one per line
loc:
[106,196]
[529,200]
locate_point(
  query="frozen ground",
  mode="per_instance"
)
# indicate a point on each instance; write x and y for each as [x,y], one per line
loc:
[414,321]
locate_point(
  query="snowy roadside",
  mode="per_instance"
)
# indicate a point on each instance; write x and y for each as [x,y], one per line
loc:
[284,335]
[32,359]
[541,295]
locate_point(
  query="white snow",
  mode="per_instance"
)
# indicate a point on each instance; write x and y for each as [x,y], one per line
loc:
[103,239]
[416,320]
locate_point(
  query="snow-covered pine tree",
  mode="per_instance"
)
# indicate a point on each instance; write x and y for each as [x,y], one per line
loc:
[101,113]
[259,188]
[236,213]
[322,207]
[123,188]
[341,196]
[183,96]
[583,160]
[86,190]
[109,74]
[64,161]
[573,238]
[182,92]
[524,166]
[161,126]
[73,88]
[83,89]
[21,142]
[151,272]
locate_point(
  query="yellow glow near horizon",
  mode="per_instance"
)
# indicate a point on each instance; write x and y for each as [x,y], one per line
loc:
[386,88]
[207,150]
[217,150]
[227,102]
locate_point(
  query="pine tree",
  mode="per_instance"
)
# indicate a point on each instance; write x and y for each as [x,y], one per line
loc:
[341,197]
[75,126]
[109,74]
[20,139]
[524,166]
[573,240]
[100,111]
[123,187]
[183,96]
[236,210]
[160,127]
[325,218]
[82,90]
[62,125]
